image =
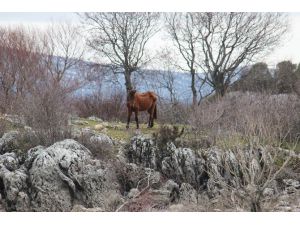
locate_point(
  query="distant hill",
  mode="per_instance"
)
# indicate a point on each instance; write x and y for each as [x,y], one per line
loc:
[145,80]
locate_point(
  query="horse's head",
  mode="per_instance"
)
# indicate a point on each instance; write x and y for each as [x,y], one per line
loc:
[130,95]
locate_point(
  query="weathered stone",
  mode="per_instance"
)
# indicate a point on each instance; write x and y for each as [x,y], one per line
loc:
[170,185]
[132,176]
[56,176]
[187,194]
[87,132]
[183,165]
[291,183]
[133,192]
[102,140]
[22,202]
[268,192]
[65,171]
[10,161]
[99,127]
[13,182]
[141,151]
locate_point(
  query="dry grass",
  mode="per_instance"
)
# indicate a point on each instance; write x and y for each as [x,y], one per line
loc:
[238,118]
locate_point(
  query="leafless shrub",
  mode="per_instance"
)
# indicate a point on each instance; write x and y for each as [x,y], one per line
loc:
[173,113]
[112,202]
[269,117]
[3,126]
[167,134]
[249,172]
[46,111]
[110,108]
[18,57]
[103,151]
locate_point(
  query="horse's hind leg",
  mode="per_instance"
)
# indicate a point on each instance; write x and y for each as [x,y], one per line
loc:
[136,119]
[149,121]
[128,118]
[152,121]
[151,118]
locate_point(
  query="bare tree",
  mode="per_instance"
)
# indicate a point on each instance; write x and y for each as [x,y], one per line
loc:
[231,40]
[164,79]
[57,72]
[17,59]
[121,38]
[62,51]
[185,35]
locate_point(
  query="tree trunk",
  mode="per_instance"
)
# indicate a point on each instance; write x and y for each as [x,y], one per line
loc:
[220,90]
[194,91]
[220,86]
[128,83]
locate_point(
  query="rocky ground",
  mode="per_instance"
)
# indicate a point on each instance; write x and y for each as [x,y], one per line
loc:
[141,176]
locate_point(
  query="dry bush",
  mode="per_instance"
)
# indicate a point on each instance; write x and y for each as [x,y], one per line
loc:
[3,127]
[46,111]
[100,150]
[269,117]
[246,174]
[167,134]
[35,82]
[172,113]
[18,55]
[111,109]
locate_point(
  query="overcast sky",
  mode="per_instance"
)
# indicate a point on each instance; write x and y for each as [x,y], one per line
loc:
[290,49]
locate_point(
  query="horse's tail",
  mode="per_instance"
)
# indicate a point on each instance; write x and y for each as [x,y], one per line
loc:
[155,112]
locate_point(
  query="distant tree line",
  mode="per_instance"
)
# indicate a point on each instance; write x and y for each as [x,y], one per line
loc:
[285,78]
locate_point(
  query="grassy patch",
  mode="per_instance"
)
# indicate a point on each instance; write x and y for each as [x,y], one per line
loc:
[117,130]
[293,146]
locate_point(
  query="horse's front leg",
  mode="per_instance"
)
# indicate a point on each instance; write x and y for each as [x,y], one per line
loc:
[136,119]
[149,121]
[128,118]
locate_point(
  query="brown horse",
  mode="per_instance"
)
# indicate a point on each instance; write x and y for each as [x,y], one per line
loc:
[137,102]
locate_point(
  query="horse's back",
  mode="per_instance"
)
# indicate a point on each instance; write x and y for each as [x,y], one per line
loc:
[145,100]
[148,94]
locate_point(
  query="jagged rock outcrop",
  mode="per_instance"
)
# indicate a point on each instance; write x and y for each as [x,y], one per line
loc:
[131,176]
[183,165]
[101,139]
[187,194]
[179,164]
[55,178]
[291,185]
[141,151]
[13,180]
